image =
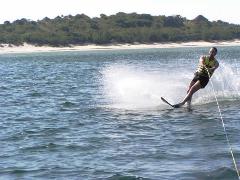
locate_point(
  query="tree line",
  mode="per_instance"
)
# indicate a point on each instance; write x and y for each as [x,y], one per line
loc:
[118,28]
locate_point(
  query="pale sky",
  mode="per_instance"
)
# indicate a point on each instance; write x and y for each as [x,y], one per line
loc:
[225,10]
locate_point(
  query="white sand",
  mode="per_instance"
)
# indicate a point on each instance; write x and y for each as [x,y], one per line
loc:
[27,48]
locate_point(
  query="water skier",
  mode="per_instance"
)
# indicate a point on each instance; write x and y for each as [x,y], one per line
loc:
[207,65]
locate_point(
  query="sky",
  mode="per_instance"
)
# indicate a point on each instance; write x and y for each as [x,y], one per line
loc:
[225,10]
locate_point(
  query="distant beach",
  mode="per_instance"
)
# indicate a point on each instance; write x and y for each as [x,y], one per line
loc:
[28,48]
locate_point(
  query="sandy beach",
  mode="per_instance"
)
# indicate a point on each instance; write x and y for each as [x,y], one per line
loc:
[28,48]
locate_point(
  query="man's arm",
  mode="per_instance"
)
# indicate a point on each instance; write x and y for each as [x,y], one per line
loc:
[214,67]
[201,60]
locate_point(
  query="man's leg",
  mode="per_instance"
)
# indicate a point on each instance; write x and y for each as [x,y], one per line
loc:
[192,90]
[190,85]
[190,99]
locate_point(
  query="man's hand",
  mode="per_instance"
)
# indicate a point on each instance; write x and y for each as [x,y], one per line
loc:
[211,70]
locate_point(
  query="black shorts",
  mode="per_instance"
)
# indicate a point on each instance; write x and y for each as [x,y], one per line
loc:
[203,79]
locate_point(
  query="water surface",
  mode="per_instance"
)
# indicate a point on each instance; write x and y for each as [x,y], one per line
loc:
[98,115]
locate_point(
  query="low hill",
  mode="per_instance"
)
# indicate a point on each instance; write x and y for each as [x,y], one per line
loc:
[118,28]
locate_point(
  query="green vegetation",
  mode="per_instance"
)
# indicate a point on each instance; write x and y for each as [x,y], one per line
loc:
[119,28]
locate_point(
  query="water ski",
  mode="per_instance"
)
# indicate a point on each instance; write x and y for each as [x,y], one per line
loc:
[172,105]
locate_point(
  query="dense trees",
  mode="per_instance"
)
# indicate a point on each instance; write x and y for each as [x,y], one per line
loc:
[119,28]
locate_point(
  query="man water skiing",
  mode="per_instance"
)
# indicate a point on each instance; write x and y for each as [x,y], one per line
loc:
[207,66]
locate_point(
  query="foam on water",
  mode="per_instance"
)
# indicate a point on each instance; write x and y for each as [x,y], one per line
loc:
[131,87]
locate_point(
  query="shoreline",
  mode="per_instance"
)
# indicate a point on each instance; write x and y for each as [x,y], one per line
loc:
[28,48]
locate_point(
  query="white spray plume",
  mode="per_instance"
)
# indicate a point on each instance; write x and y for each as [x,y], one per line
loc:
[129,87]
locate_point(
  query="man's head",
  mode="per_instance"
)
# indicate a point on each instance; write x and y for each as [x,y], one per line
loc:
[213,51]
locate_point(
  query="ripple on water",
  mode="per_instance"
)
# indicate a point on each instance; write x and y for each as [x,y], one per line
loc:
[97,115]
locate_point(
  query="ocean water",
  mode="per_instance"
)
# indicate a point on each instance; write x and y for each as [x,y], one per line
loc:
[98,115]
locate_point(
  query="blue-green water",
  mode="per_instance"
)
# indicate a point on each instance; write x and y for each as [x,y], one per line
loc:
[98,115]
